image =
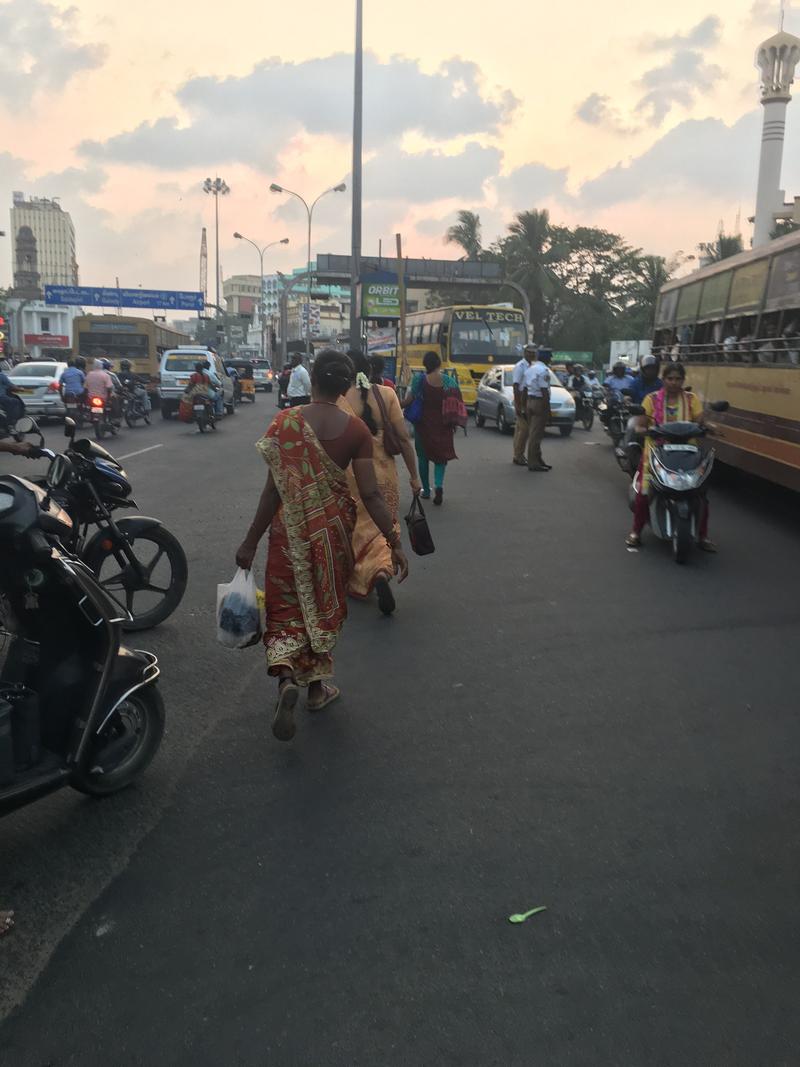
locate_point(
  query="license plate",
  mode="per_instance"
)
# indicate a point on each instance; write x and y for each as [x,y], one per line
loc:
[680,448]
[182,381]
[199,408]
[26,389]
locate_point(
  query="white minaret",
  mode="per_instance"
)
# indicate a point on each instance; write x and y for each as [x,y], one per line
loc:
[776,59]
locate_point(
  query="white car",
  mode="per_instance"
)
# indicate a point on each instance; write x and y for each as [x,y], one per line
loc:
[38,387]
[495,401]
[177,367]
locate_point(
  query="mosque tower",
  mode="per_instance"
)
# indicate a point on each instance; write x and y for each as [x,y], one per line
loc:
[776,59]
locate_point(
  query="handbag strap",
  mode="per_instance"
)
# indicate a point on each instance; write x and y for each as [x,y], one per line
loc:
[379,399]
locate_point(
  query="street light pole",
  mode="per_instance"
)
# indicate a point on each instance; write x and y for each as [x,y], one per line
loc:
[355,245]
[261,251]
[216,188]
[275,188]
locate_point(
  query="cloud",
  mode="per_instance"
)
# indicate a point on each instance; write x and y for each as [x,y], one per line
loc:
[427,176]
[678,81]
[38,49]
[596,110]
[698,157]
[530,184]
[703,35]
[249,119]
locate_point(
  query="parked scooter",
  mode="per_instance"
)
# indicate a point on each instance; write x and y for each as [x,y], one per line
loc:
[679,471]
[138,562]
[76,708]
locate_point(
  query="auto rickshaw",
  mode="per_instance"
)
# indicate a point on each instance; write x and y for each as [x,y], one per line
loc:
[244,384]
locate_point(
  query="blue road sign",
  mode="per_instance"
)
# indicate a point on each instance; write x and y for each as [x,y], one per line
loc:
[96,296]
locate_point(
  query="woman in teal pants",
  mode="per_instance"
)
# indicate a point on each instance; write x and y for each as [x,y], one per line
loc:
[433,439]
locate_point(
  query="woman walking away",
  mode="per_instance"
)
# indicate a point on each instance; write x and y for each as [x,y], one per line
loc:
[307,506]
[377,406]
[432,436]
[672,403]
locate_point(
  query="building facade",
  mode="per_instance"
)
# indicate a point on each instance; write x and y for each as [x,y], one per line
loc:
[240,293]
[54,234]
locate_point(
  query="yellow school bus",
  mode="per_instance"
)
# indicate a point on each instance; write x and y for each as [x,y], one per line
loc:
[118,337]
[736,326]
[469,339]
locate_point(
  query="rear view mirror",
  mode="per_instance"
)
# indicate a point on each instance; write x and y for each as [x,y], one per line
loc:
[636,409]
[719,405]
[25,425]
[69,427]
[626,392]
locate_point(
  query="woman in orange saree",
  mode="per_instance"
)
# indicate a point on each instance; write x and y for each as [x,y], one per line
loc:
[372,560]
[311,515]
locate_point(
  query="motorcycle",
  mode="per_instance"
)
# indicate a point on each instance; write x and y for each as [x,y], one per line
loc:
[100,417]
[584,407]
[136,560]
[203,411]
[75,407]
[136,403]
[76,708]
[679,471]
[614,413]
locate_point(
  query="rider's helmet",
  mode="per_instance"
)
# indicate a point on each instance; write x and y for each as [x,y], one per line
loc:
[649,363]
[620,370]
[125,364]
[105,364]
[80,363]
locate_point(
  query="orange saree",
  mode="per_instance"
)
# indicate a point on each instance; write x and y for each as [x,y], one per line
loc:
[310,557]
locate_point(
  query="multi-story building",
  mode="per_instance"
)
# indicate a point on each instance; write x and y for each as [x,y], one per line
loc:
[241,294]
[54,233]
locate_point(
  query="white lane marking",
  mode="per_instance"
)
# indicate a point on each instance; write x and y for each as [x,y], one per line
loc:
[141,452]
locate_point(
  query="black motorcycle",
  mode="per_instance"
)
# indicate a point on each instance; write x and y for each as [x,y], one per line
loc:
[136,403]
[584,407]
[137,561]
[203,413]
[614,413]
[100,415]
[76,708]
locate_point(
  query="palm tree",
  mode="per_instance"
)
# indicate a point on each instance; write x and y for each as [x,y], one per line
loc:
[530,252]
[467,233]
[725,245]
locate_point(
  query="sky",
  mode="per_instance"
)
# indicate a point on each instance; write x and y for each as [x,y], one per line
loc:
[641,119]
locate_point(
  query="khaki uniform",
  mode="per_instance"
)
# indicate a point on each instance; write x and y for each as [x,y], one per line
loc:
[522,429]
[538,412]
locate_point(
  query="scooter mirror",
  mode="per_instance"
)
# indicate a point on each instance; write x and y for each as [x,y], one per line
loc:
[25,425]
[636,409]
[69,427]
[719,405]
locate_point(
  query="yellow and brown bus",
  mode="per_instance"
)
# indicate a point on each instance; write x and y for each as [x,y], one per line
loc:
[118,337]
[736,326]
[468,338]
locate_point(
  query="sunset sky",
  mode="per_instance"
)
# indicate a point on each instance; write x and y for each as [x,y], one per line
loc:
[642,119]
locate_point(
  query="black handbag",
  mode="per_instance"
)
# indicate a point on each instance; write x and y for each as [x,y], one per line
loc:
[418,533]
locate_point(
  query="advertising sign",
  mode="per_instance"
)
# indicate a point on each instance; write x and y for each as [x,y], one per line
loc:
[91,296]
[49,340]
[380,300]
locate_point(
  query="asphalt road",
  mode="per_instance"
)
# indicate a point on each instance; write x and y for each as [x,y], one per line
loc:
[549,719]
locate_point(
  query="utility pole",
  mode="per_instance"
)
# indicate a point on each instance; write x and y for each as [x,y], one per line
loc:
[355,246]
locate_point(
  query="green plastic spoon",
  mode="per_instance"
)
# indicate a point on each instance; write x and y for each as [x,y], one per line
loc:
[525,915]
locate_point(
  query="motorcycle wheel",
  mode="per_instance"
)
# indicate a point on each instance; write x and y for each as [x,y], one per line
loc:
[163,587]
[146,419]
[99,431]
[588,419]
[565,431]
[129,741]
[130,420]
[682,539]
[201,425]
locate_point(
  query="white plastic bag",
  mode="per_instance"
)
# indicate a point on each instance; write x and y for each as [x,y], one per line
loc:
[238,617]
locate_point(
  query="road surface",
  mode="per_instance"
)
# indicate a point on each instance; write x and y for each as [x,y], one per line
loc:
[548,719]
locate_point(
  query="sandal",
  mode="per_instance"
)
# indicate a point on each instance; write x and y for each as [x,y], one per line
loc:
[283,724]
[386,601]
[633,540]
[331,693]
[707,545]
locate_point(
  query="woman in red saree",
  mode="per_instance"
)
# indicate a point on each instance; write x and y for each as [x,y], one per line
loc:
[311,515]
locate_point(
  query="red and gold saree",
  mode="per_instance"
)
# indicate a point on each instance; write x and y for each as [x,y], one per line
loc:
[310,555]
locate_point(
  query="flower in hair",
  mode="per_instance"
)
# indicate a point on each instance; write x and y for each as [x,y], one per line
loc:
[362,381]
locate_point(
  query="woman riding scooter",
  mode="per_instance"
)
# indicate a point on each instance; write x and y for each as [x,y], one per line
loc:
[672,403]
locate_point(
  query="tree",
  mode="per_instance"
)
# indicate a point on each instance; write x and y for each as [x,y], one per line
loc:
[784,227]
[722,247]
[530,253]
[651,275]
[466,233]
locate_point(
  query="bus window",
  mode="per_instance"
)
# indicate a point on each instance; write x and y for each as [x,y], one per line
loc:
[479,338]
